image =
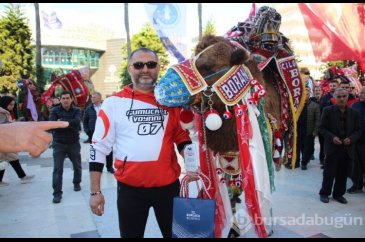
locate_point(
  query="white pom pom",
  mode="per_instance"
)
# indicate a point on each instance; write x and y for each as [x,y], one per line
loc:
[278,142]
[276,154]
[213,121]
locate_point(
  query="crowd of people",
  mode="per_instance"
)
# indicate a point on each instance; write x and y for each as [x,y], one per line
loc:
[337,118]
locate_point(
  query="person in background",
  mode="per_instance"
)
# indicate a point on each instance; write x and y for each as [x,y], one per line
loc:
[307,129]
[326,100]
[354,92]
[55,102]
[66,142]
[90,116]
[358,171]
[309,81]
[144,134]
[345,84]
[318,96]
[7,103]
[341,128]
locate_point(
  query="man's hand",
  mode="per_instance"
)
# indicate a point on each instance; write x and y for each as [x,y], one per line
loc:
[193,176]
[347,141]
[337,141]
[97,204]
[28,136]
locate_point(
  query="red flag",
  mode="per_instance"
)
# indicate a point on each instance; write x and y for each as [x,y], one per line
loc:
[336,30]
[253,12]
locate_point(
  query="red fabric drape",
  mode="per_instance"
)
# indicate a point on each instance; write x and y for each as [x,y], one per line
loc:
[336,30]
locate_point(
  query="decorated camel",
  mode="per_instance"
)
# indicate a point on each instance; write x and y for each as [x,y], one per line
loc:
[245,93]
[73,81]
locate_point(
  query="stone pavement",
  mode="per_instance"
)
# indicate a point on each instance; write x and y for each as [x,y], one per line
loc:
[26,210]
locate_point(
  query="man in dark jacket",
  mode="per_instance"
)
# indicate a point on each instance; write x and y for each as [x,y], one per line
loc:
[358,172]
[318,96]
[341,128]
[66,143]
[307,129]
[326,100]
[90,116]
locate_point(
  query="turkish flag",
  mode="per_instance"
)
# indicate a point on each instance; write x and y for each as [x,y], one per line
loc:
[336,30]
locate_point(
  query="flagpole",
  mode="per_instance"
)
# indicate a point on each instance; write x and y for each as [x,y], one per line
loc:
[38,60]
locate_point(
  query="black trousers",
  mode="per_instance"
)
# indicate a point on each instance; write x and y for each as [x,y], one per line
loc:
[134,204]
[17,168]
[358,171]
[305,147]
[59,154]
[336,168]
[321,148]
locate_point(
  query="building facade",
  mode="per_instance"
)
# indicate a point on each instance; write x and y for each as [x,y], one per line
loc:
[293,27]
[75,42]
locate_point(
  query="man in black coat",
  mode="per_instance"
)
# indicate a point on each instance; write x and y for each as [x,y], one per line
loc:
[358,171]
[341,128]
[89,121]
[66,143]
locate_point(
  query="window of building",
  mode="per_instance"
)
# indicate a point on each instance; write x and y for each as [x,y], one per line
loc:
[57,57]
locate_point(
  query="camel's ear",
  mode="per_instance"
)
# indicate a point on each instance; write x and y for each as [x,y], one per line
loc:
[239,56]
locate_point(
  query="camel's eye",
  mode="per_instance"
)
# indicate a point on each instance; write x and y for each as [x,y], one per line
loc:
[206,67]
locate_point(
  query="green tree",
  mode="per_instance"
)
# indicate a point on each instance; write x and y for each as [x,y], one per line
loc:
[147,37]
[16,51]
[209,28]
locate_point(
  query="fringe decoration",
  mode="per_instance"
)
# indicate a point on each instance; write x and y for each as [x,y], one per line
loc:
[266,138]
[244,131]
[207,168]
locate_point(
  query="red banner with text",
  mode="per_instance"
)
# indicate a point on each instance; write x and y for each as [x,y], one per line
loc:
[289,72]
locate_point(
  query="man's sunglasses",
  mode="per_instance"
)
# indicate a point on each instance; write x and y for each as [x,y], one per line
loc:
[139,65]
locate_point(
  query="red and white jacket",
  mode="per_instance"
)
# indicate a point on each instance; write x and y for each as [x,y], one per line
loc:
[143,134]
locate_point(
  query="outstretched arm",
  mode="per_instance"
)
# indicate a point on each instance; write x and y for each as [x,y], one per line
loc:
[28,136]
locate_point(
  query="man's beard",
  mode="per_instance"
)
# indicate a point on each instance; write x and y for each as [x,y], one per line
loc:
[145,82]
